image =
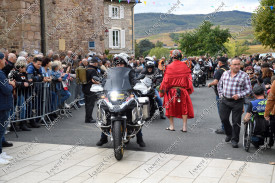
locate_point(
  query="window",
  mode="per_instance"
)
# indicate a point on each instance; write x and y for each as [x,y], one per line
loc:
[115,12]
[91,45]
[115,38]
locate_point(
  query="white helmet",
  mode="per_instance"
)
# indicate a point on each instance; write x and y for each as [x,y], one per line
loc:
[121,58]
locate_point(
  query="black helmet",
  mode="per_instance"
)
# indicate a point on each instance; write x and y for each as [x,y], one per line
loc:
[258,90]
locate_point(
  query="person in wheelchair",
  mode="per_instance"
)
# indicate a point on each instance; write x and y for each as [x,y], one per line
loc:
[255,113]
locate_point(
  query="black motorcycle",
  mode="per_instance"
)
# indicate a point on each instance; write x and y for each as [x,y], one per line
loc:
[119,113]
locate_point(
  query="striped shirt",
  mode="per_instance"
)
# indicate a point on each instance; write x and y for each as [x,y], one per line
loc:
[240,84]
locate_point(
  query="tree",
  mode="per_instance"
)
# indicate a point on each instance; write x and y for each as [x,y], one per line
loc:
[160,52]
[236,48]
[137,49]
[204,40]
[145,46]
[263,24]
[174,36]
[159,44]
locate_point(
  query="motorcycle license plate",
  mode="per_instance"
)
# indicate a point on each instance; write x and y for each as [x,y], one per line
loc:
[121,96]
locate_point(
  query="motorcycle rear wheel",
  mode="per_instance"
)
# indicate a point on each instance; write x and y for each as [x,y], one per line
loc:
[117,136]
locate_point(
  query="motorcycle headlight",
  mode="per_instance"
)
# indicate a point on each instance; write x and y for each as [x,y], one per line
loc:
[114,95]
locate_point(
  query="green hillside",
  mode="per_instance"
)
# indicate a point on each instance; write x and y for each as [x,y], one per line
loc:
[144,22]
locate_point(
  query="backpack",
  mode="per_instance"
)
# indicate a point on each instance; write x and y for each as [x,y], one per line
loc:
[260,127]
[81,75]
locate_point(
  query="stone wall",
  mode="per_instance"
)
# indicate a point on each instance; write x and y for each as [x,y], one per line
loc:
[124,24]
[75,21]
[20,25]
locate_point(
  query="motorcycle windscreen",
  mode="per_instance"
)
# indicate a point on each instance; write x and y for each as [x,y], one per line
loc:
[118,79]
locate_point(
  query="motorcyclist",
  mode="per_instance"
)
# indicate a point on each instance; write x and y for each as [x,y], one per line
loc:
[202,67]
[121,60]
[151,72]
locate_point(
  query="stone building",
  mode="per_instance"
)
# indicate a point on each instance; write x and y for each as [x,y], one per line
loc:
[120,26]
[77,25]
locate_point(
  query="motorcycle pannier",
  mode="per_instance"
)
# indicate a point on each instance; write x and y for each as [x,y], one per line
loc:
[145,107]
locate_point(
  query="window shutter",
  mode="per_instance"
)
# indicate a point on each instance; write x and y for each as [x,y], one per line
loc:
[122,38]
[121,12]
[110,38]
[110,11]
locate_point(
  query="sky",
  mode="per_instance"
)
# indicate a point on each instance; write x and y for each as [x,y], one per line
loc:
[180,7]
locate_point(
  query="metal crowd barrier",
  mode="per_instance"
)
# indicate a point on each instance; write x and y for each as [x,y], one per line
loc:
[41,99]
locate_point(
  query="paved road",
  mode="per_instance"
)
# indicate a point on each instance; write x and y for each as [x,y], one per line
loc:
[199,141]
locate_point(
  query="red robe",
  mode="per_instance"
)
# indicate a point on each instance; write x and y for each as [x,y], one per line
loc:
[177,74]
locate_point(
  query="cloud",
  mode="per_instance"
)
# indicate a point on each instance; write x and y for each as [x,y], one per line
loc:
[195,6]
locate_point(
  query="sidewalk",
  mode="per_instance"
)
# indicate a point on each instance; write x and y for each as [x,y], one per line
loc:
[37,162]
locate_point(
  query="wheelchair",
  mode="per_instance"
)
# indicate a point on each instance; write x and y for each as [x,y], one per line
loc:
[250,136]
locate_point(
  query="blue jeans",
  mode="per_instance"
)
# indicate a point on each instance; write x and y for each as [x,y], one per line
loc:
[65,94]
[21,106]
[158,99]
[218,106]
[4,115]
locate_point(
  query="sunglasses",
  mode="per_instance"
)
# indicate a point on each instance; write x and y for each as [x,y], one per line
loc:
[250,73]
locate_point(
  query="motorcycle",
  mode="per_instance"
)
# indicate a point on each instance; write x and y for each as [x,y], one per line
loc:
[120,114]
[148,91]
[198,76]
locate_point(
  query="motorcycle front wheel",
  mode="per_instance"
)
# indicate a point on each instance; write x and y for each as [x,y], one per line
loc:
[117,136]
[196,83]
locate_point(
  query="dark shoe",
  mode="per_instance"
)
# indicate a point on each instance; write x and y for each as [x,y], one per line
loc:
[169,129]
[220,131]
[140,142]
[228,138]
[34,125]
[16,128]
[162,116]
[7,144]
[234,144]
[101,142]
[25,128]
[91,121]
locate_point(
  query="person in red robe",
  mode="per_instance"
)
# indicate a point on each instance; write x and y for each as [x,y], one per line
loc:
[175,88]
